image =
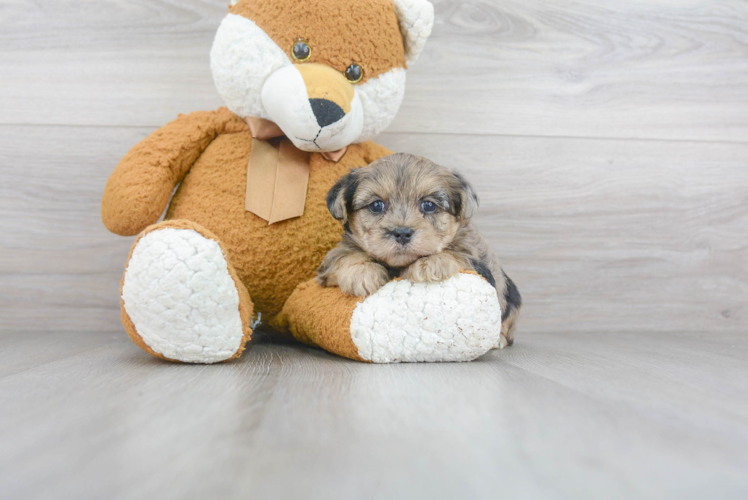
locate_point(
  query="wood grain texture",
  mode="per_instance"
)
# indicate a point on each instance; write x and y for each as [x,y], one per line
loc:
[666,69]
[598,234]
[608,143]
[596,415]
[669,69]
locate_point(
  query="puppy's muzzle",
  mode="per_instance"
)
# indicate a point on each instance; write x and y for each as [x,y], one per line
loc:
[403,235]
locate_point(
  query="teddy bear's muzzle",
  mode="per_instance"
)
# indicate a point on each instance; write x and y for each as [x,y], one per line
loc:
[317,108]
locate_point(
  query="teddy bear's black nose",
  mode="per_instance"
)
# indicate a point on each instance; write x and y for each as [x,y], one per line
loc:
[326,111]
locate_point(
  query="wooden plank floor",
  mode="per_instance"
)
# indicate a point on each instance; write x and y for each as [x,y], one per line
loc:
[585,415]
[608,141]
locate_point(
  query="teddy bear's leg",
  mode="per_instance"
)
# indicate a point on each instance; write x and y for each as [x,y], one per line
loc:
[181,297]
[455,320]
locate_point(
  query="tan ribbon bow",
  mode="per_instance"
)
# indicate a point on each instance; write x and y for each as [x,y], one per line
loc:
[278,173]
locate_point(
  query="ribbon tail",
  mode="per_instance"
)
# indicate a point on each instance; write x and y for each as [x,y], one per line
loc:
[335,156]
[261,179]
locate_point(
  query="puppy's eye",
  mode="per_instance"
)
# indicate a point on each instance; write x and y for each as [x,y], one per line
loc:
[377,207]
[428,207]
[354,73]
[301,51]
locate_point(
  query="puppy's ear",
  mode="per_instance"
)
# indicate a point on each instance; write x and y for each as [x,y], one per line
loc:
[340,197]
[464,198]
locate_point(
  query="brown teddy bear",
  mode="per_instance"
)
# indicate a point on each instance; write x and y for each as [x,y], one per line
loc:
[306,85]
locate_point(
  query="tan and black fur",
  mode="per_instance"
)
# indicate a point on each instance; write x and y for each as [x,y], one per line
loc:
[404,216]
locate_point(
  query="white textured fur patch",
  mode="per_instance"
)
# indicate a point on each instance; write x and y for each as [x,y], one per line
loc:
[416,22]
[181,298]
[455,320]
[381,98]
[242,58]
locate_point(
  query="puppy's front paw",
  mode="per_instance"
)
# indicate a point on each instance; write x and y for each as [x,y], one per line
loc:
[437,267]
[362,279]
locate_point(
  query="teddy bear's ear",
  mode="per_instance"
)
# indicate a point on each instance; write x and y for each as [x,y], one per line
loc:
[416,21]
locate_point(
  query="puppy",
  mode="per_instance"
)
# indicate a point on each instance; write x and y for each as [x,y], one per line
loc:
[405,216]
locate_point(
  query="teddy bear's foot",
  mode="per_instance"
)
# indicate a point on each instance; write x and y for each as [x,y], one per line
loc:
[455,320]
[181,298]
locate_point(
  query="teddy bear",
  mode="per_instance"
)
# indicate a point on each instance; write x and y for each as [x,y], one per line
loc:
[306,85]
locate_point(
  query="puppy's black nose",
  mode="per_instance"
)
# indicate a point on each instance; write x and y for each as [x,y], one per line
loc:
[403,235]
[326,111]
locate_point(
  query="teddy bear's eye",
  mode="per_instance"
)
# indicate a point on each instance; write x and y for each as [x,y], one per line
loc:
[354,73]
[301,51]
[428,207]
[377,207]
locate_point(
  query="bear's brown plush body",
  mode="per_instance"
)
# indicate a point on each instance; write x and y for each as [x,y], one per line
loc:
[306,86]
[210,152]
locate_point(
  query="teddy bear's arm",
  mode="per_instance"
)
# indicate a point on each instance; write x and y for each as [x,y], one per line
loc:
[139,189]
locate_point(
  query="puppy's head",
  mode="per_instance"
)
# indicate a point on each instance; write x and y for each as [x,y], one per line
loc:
[402,207]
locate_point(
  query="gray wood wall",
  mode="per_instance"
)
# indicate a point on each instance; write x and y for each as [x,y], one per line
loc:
[608,140]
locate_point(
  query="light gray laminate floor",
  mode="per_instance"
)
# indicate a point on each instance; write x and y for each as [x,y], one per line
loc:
[608,141]
[586,415]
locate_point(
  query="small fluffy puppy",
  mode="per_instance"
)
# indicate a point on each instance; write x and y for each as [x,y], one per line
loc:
[405,216]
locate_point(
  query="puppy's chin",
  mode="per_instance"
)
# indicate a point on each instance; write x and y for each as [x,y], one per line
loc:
[401,259]
[399,256]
